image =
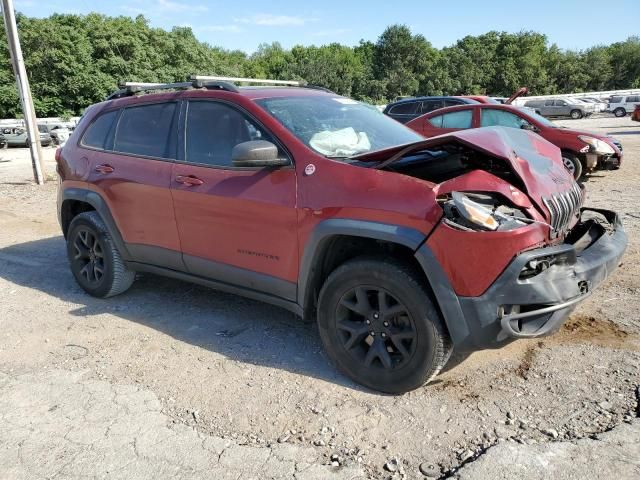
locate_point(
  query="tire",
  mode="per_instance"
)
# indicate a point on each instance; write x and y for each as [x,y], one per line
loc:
[576,114]
[620,112]
[410,344]
[94,260]
[572,164]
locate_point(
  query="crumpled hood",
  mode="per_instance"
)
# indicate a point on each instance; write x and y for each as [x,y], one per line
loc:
[537,162]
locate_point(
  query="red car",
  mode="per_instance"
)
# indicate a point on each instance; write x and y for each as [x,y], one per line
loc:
[582,151]
[400,248]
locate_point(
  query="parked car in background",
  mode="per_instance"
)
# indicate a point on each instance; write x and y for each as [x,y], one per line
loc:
[59,133]
[561,107]
[599,105]
[409,108]
[17,136]
[582,151]
[636,114]
[3,141]
[620,105]
[401,248]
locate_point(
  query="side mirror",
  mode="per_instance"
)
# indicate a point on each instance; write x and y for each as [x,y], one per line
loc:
[528,126]
[257,153]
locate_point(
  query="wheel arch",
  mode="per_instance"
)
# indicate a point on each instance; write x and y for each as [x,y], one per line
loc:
[78,200]
[335,241]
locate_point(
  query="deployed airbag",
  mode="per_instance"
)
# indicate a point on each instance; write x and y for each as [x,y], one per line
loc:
[340,143]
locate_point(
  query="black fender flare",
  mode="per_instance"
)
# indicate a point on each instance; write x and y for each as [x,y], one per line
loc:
[445,297]
[100,205]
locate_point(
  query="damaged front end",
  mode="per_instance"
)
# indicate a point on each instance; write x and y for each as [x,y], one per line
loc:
[515,249]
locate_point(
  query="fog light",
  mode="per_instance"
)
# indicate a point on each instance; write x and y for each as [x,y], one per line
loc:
[536,267]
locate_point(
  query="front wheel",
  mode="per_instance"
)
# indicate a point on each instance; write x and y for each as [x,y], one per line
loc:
[572,164]
[619,112]
[94,259]
[379,326]
[576,114]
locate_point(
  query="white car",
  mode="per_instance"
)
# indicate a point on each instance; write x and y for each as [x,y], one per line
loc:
[620,105]
[597,106]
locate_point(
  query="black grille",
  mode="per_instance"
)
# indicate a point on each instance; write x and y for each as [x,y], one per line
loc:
[563,207]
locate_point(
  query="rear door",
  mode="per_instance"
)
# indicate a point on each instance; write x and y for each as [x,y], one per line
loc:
[130,154]
[237,225]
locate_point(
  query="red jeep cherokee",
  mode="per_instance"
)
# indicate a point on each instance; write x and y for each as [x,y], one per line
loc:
[402,248]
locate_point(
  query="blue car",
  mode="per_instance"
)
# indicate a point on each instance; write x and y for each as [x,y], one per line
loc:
[409,108]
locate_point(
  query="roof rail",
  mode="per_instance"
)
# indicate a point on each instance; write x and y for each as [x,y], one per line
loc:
[127,89]
[263,81]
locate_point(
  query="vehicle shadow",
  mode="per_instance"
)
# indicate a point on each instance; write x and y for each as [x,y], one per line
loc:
[238,328]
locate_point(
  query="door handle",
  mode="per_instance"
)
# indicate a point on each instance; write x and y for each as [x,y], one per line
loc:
[104,169]
[189,180]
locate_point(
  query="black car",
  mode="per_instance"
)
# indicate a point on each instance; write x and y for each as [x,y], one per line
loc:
[409,108]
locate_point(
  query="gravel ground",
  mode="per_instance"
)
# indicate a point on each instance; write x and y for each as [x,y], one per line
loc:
[255,376]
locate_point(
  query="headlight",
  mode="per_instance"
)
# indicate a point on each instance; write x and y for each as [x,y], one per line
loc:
[597,146]
[483,213]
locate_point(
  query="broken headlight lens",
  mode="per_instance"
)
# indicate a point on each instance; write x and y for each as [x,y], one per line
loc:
[483,212]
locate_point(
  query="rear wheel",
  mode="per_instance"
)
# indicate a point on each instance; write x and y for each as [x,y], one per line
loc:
[380,327]
[94,260]
[572,164]
[576,114]
[619,112]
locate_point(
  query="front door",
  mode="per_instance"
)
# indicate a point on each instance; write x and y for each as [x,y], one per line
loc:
[236,225]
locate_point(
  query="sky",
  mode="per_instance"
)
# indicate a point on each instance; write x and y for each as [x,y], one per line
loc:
[572,24]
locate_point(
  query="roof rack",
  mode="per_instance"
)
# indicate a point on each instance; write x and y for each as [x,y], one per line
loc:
[127,89]
[263,81]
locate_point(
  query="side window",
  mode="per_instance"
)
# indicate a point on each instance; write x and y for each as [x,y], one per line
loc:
[213,129]
[436,121]
[548,103]
[147,130]
[561,103]
[431,105]
[494,117]
[615,100]
[407,108]
[633,99]
[98,132]
[461,119]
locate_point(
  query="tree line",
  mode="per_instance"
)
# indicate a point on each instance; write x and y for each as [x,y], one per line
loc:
[76,60]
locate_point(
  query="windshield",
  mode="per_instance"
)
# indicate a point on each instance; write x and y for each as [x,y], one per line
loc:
[539,118]
[338,127]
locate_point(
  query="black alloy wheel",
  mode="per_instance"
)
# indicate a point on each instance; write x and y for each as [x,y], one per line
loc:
[88,259]
[376,329]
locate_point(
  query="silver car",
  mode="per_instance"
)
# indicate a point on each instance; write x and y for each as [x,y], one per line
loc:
[17,136]
[561,107]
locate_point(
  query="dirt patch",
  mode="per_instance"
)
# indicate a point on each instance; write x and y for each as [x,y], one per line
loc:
[581,328]
[527,360]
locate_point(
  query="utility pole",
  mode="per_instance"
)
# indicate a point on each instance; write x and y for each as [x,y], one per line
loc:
[20,72]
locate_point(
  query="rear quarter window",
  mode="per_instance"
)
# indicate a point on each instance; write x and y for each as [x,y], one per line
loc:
[98,132]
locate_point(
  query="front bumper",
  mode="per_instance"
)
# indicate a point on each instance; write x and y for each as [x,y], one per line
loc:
[524,304]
